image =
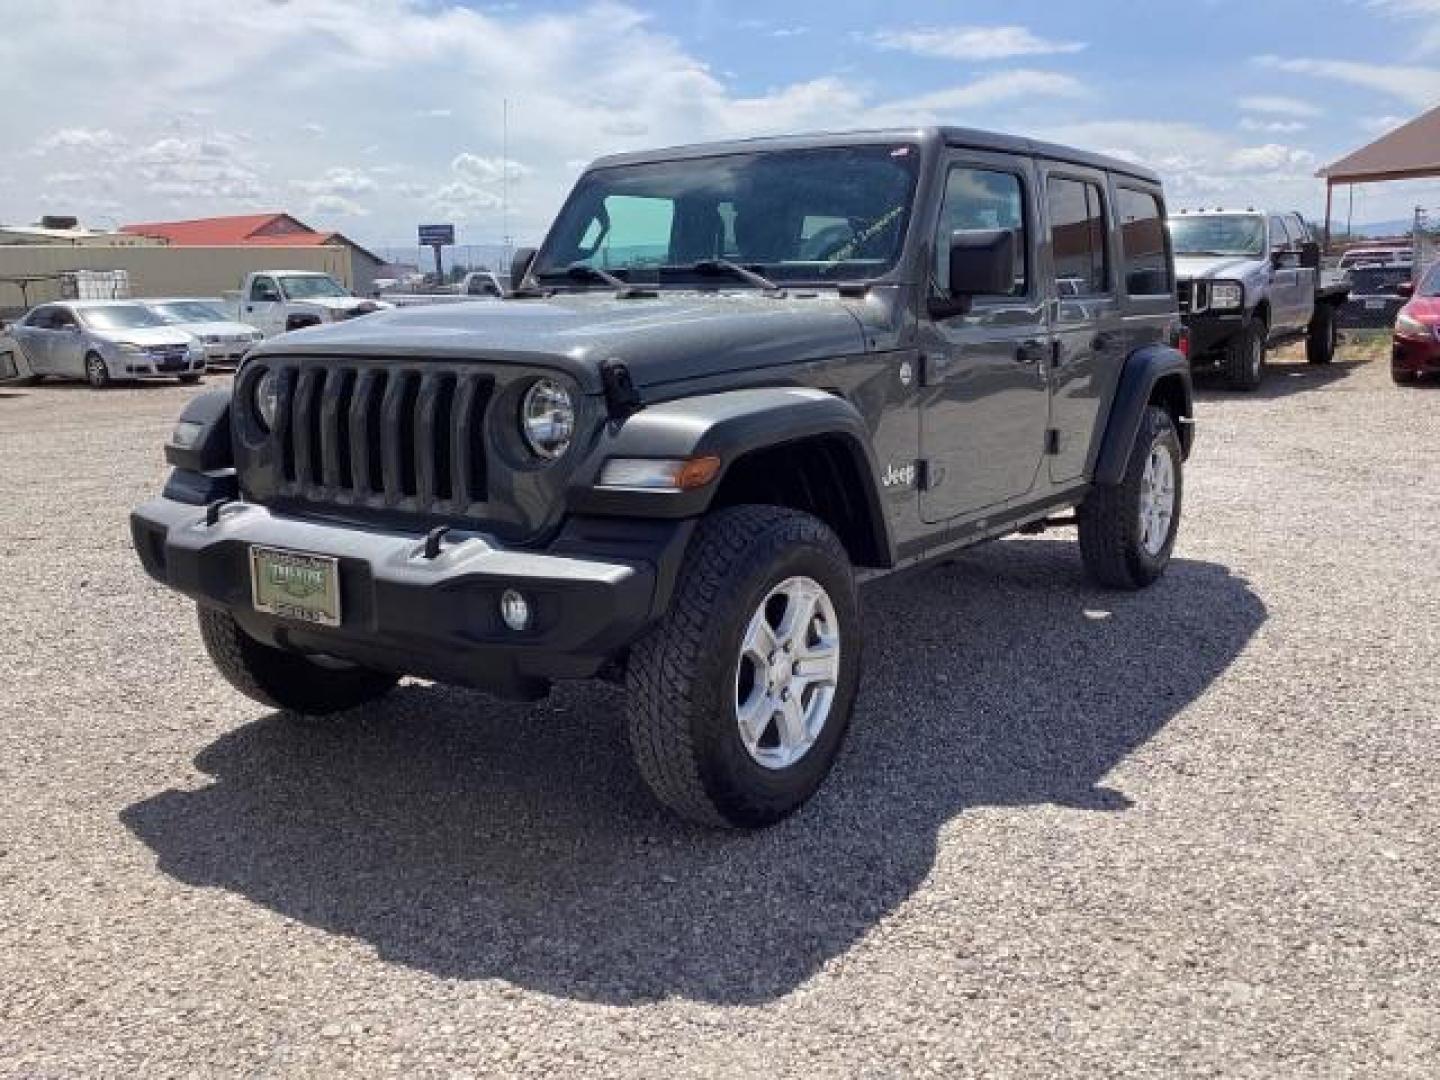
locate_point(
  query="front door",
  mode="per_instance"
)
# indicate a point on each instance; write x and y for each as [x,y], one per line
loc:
[1287,301]
[264,307]
[34,336]
[986,402]
[67,344]
[1089,339]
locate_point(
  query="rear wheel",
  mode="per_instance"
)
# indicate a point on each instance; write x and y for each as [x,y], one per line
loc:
[1323,337]
[740,698]
[1245,357]
[97,374]
[1127,530]
[286,680]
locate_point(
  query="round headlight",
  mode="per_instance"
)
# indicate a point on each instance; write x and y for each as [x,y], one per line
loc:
[547,419]
[267,398]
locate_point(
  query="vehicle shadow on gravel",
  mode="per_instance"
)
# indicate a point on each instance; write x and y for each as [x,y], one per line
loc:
[1281,380]
[473,839]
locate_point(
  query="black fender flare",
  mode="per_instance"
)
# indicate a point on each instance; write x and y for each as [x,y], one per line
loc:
[1144,369]
[728,425]
[209,448]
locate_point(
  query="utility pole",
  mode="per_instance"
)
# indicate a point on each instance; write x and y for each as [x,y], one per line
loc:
[505,183]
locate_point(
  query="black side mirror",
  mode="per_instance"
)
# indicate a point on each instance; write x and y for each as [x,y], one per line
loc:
[1310,255]
[520,266]
[982,263]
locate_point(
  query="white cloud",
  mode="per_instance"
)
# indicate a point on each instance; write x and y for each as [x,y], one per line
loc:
[1278,106]
[973,42]
[337,181]
[1420,86]
[436,114]
[73,139]
[1272,127]
[323,206]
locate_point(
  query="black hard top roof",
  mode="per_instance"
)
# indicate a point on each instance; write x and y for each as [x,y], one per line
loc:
[968,138]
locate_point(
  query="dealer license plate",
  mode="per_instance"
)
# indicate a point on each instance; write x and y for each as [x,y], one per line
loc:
[1374,305]
[296,586]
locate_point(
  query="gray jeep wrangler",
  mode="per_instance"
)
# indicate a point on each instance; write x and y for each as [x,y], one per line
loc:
[734,379]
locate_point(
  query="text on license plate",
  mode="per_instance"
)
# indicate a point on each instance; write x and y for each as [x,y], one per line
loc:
[295,585]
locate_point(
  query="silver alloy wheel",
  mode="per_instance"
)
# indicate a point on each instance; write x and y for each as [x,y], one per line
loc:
[96,371]
[1157,498]
[788,671]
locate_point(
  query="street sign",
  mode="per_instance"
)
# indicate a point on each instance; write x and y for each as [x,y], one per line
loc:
[436,235]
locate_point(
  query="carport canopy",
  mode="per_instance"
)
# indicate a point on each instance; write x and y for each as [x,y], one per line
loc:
[1410,152]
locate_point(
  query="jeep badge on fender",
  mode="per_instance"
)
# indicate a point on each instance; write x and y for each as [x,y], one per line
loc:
[732,377]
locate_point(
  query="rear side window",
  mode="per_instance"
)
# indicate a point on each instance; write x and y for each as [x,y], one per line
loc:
[1279,238]
[1077,237]
[1142,239]
[40,318]
[982,199]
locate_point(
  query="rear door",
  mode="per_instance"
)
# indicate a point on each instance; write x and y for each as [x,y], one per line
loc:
[985,410]
[33,336]
[1084,312]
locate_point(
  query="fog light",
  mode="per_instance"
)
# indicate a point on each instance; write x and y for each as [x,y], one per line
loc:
[515,610]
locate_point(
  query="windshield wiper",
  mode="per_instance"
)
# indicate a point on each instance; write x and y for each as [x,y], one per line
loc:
[623,289]
[734,269]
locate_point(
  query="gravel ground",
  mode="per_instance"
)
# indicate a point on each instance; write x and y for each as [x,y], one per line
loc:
[1187,832]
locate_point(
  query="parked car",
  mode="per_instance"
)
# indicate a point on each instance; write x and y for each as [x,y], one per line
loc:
[1250,280]
[733,378]
[278,301]
[13,367]
[1377,256]
[102,341]
[1415,351]
[225,340]
[1375,296]
[476,285]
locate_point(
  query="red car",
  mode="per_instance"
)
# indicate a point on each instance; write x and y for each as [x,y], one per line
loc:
[1416,349]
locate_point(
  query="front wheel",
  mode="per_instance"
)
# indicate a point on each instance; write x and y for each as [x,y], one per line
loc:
[740,698]
[286,680]
[1127,530]
[97,373]
[1323,336]
[1245,357]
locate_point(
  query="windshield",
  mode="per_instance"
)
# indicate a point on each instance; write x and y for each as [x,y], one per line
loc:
[795,215]
[305,286]
[1218,234]
[187,311]
[118,317]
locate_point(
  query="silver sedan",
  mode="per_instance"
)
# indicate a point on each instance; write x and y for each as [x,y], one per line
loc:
[105,340]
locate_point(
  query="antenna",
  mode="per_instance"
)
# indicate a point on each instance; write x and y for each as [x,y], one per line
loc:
[505,180]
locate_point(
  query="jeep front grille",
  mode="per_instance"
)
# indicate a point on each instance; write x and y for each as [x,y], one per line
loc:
[383,436]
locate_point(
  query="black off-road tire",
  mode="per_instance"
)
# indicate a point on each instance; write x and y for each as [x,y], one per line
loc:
[681,676]
[1322,337]
[285,680]
[1109,518]
[1243,371]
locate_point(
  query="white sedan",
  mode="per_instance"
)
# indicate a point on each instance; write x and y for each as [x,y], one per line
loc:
[104,340]
[225,340]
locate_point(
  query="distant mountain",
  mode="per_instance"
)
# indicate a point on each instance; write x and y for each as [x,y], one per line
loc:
[1398,227]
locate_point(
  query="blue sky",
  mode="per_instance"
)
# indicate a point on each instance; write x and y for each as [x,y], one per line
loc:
[373,115]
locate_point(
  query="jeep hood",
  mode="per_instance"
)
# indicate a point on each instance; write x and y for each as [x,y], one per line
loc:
[1214,266]
[663,339]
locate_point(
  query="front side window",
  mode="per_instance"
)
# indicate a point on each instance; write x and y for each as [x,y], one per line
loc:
[1279,238]
[1142,240]
[1077,237]
[41,318]
[263,290]
[982,199]
[832,213]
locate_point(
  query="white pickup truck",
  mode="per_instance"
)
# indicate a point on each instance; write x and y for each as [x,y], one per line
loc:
[275,301]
